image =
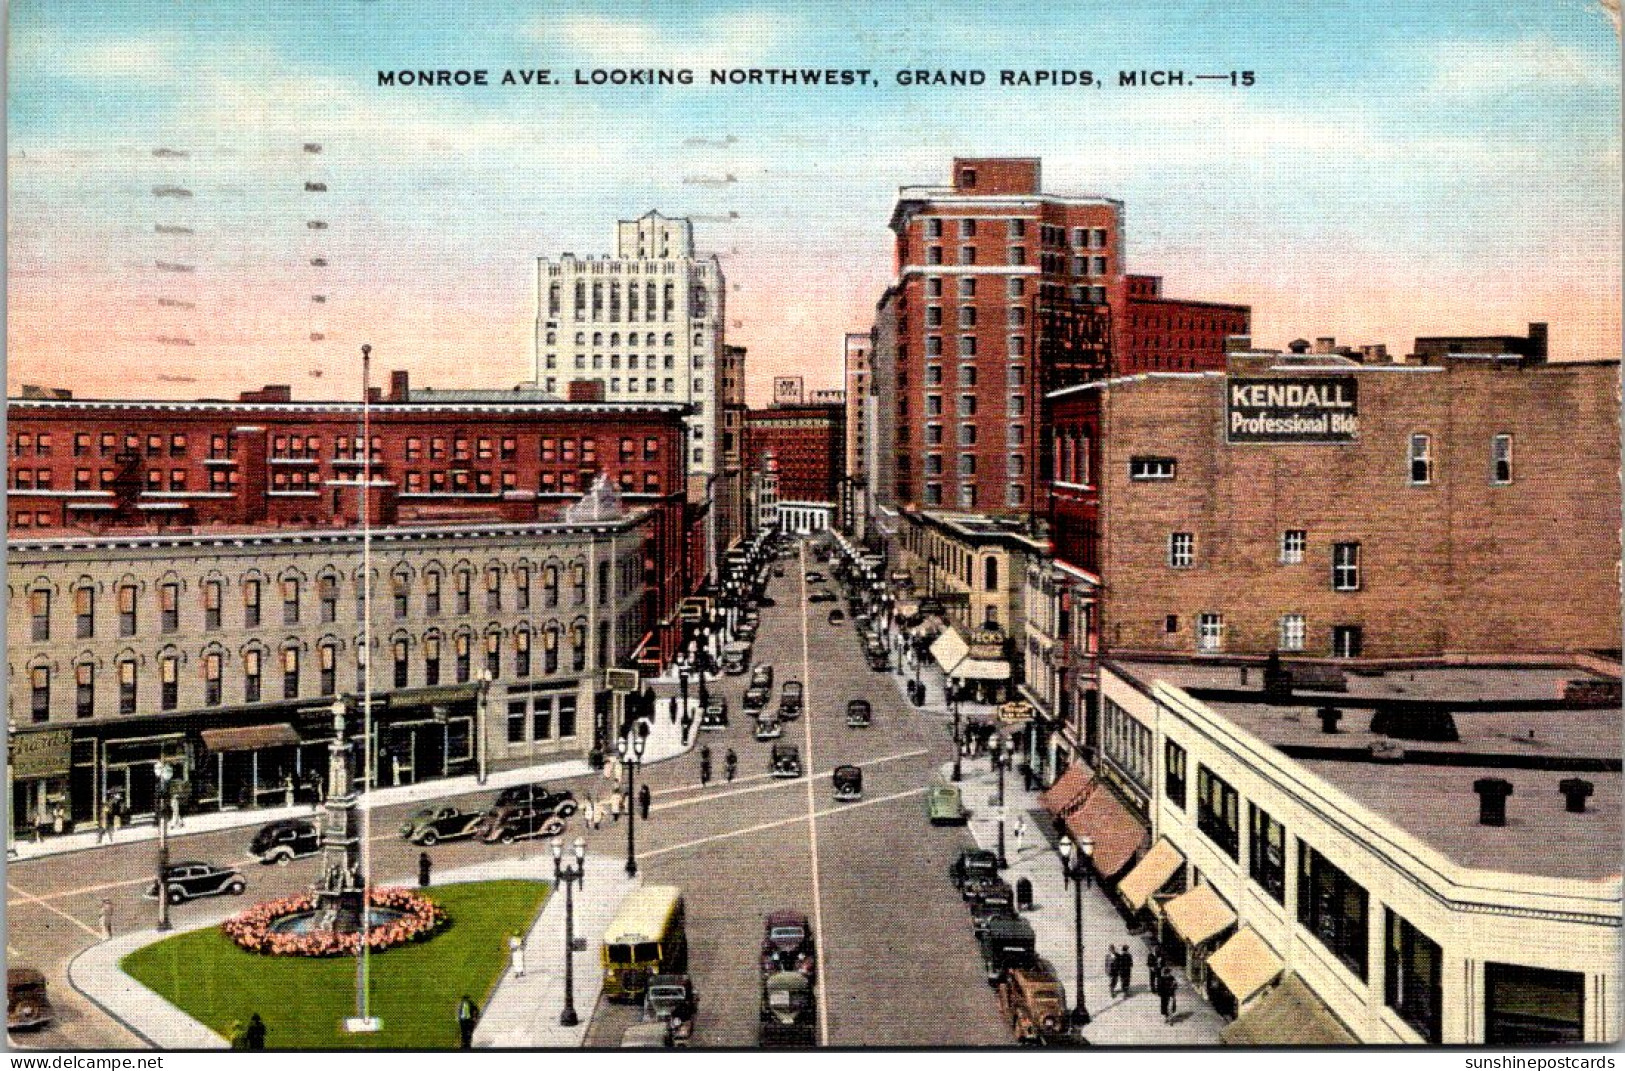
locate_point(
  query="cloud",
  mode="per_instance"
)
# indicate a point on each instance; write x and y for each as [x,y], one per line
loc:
[1473,68]
[733,40]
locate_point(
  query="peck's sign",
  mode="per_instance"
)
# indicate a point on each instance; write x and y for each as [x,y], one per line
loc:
[1321,409]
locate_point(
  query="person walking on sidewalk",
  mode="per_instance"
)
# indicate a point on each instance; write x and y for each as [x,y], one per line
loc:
[615,808]
[1168,993]
[516,955]
[107,919]
[1128,971]
[645,799]
[1114,967]
[1017,833]
[705,765]
[730,764]
[467,1017]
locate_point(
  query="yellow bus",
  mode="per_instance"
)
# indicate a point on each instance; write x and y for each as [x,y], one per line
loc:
[646,938]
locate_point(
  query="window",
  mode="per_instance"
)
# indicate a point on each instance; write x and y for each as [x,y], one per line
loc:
[1292,632]
[1217,811]
[1181,550]
[1173,782]
[1524,1005]
[1151,468]
[521,586]
[213,598]
[578,578]
[541,717]
[169,607]
[327,594]
[1412,982]
[578,647]
[327,668]
[40,702]
[251,676]
[521,653]
[1266,852]
[290,673]
[84,693]
[126,687]
[550,650]
[967,228]
[967,254]
[464,582]
[251,603]
[516,721]
[493,654]
[1127,743]
[400,589]
[1346,567]
[567,716]
[1501,460]
[1018,255]
[493,590]
[1293,542]
[933,255]
[431,594]
[39,607]
[933,316]
[1421,459]
[1209,632]
[290,601]
[933,228]
[1347,641]
[431,660]
[1333,908]
[461,647]
[402,666]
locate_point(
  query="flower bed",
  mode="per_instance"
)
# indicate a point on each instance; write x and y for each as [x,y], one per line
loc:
[251,930]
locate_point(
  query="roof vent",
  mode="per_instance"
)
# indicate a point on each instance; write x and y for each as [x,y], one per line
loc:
[1329,717]
[1492,800]
[1387,751]
[1575,791]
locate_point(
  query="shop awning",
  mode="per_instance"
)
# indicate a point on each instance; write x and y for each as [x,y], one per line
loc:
[1151,873]
[1067,788]
[1245,964]
[949,649]
[1116,831]
[1199,915]
[1289,1014]
[249,738]
[982,669]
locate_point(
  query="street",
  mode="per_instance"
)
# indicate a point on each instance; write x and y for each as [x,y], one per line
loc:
[898,964]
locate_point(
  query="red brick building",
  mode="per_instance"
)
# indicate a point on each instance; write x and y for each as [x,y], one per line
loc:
[1004,294]
[809,442]
[269,461]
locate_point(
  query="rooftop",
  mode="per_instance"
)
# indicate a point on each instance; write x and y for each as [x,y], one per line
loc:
[1512,722]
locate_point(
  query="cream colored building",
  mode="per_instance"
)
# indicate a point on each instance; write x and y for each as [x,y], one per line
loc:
[1361,869]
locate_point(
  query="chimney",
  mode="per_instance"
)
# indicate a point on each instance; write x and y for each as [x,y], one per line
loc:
[1298,345]
[1537,341]
[1325,344]
[375,395]
[1329,717]
[1575,791]
[1492,800]
[271,392]
[1277,681]
[585,390]
[399,386]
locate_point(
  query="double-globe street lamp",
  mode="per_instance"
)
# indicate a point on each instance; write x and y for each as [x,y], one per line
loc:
[952,685]
[631,747]
[999,756]
[164,774]
[569,875]
[1074,866]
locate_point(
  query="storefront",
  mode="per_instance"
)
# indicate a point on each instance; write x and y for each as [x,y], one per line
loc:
[39,768]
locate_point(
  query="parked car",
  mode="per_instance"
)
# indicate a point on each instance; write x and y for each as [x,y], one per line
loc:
[858,714]
[993,901]
[538,795]
[836,616]
[715,715]
[1007,944]
[878,661]
[945,805]
[1034,1003]
[286,839]
[790,697]
[519,822]
[434,824]
[787,944]
[27,1005]
[789,1011]
[757,696]
[848,783]
[766,601]
[192,879]
[762,674]
[972,867]
[814,577]
[735,658]
[786,761]
[821,595]
[670,999]
[768,726]
[778,570]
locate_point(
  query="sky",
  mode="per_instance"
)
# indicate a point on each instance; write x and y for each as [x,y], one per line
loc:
[1397,169]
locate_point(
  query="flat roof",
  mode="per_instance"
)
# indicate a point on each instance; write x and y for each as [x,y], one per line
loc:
[1511,726]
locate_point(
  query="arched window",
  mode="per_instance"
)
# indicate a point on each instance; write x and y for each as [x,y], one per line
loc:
[990,573]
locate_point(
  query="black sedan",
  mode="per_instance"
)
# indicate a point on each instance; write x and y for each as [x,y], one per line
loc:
[190,880]
[434,824]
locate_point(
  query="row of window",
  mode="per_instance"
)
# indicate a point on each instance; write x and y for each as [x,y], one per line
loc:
[1345,556]
[1331,906]
[666,308]
[1082,237]
[1348,641]
[614,341]
[1420,462]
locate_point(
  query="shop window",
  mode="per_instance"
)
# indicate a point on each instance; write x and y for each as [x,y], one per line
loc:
[516,721]
[567,716]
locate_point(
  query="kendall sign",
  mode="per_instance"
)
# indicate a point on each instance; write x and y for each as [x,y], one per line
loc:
[1310,409]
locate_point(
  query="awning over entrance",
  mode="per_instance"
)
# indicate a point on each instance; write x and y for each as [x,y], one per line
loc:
[1117,833]
[1151,874]
[949,649]
[1245,964]
[249,738]
[982,669]
[1289,1014]
[1060,796]
[1199,915]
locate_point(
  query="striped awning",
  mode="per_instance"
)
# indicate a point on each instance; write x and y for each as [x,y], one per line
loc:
[1060,796]
[249,738]
[1115,830]
[1245,964]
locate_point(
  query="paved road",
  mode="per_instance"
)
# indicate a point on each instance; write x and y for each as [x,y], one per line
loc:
[899,964]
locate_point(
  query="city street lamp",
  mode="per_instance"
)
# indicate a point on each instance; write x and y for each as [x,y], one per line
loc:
[959,742]
[1074,868]
[486,677]
[631,747]
[999,753]
[569,876]
[164,772]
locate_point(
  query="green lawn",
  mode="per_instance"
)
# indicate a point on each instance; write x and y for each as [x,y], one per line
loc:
[415,988]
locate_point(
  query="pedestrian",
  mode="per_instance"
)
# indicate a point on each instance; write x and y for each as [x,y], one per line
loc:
[674,710]
[1153,967]
[59,819]
[287,790]
[615,808]
[645,798]
[174,809]
[516,955]
[1168,991]
[425,865]
[1112,968]
[101,823]
[107,919]
[467,1016]
[254,1036]
[730,764]
[1019,832]
[705,765]
[1066,872]
[1128,971]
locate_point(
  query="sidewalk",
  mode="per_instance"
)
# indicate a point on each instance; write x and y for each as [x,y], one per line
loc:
[665,742]
[1132,1020]
[523,1013]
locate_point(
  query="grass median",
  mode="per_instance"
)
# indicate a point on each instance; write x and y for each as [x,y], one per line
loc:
[415,988]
